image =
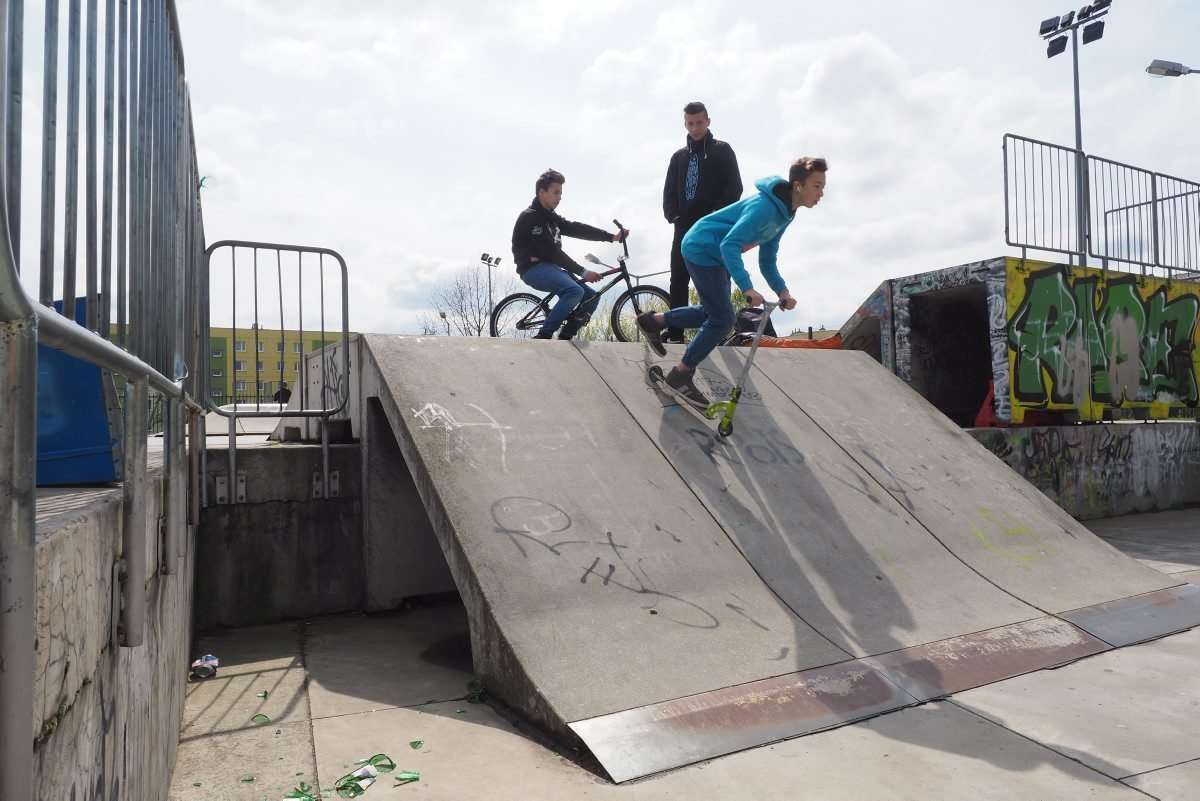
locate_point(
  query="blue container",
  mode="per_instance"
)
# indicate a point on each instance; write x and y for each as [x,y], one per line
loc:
[78,422]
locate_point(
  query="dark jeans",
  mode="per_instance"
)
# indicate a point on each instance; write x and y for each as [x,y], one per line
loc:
[714,316]
[679,275]
[575,300]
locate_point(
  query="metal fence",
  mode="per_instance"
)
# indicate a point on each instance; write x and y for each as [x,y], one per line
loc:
[1060,200]
[141,250]
[271,285]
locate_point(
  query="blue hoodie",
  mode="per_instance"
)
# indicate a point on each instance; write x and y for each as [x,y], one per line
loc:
[719,239]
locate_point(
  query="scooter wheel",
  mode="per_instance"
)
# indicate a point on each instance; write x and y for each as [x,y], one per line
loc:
[725,428]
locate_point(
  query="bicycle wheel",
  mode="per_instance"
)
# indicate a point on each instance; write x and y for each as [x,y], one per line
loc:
[518,316]
[633,302]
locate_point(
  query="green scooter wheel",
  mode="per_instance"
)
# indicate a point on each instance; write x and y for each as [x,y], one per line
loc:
[725,428]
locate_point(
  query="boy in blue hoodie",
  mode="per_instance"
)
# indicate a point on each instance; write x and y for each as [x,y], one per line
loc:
[712,251]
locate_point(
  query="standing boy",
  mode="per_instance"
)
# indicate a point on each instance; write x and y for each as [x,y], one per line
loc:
[702,177]
[542,264]
[713,250]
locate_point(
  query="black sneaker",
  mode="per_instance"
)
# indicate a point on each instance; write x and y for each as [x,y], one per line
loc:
[650,330]
[682,383]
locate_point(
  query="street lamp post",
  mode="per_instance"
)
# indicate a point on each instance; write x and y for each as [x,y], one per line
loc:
[444,320]
[1054,30]
[1169,69]
[490,261]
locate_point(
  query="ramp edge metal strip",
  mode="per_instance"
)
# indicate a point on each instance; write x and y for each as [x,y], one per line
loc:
[671,734]
[667,735]
[938,669]
[1139,618]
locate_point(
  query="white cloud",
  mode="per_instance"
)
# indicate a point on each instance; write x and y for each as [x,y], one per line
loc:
[407,135]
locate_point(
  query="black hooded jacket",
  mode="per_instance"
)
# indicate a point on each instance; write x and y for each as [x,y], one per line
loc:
[537,237]
[720,182]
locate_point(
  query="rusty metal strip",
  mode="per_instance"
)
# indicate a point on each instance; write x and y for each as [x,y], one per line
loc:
[1142,617]
[949,666]
[662,736]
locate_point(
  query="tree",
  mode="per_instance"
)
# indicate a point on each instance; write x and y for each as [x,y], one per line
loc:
[463,304]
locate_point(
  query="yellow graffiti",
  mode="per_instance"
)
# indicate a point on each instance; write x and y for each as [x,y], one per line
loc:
[1103,344]
[1011,538]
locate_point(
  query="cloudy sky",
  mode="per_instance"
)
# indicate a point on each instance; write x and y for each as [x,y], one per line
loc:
[407,135]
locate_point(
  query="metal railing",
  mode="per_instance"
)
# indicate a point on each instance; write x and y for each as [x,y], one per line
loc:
[272,271]
[1128,215]
[143,232]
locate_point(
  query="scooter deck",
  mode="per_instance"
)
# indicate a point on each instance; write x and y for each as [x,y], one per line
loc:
[656,378]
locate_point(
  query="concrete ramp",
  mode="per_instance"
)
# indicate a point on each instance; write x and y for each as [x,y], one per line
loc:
[665,598]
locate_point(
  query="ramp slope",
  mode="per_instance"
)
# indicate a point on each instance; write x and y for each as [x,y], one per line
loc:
[594,580]
[973,503]
[667,599]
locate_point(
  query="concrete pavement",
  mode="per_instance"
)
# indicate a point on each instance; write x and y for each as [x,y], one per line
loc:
[1121,725]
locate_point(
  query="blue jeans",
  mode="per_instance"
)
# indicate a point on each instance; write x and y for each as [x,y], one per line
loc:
[714,316]
[572,296]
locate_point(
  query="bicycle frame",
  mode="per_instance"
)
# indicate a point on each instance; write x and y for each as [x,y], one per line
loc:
[622,274]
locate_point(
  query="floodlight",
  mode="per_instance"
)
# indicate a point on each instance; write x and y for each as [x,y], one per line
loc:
[1100,5]
[1093,32]
[1084,13]
[483,257]
[1048,26]
[1066,20]
[1056,46]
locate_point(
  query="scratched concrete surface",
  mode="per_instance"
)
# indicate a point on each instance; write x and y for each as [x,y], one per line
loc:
[595,538]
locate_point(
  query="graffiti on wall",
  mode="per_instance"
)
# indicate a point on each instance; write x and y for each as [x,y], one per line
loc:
[1084,340]
[869,329]
[1105,470]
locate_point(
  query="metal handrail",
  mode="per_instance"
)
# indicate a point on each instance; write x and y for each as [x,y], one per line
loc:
[165,239]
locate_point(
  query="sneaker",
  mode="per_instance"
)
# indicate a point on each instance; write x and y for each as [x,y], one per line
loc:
[650,330]
[682,383]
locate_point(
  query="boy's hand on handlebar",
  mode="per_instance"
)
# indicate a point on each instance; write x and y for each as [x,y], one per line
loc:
[590,277]
[620,235]
[753,297]
[786,301]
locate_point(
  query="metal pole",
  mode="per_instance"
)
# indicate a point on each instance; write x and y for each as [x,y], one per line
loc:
[133,528]
[123,112]
[1080,163]
[18,455]
[49,153]
[106,226]
[71,221]
[15,86]
[89,183]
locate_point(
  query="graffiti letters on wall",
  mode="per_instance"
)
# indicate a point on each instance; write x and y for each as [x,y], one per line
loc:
[1094,342]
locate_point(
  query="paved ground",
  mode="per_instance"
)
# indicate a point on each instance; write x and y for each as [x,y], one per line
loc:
[1120,725]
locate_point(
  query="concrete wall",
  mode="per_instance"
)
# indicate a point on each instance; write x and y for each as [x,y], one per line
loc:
[282,554]
[106,719]
[1095,471]
[402,553]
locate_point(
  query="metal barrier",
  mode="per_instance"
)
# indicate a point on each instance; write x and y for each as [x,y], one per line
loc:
[1041,197]
[151,200]
[1178,215]
[1117,213]
[326,405]
[1122,219]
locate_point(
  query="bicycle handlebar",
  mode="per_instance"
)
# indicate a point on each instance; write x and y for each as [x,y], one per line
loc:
[624,235]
